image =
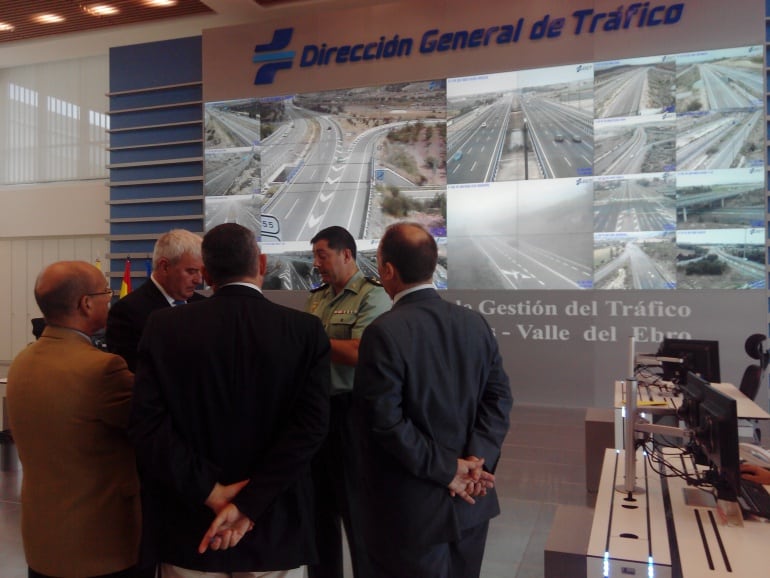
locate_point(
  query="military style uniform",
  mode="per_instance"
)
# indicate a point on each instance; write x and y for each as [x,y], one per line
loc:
[344,315]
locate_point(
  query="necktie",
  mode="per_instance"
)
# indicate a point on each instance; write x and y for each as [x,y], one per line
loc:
[177,302]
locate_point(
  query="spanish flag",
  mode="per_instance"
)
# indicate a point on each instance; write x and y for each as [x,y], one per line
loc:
[125,286]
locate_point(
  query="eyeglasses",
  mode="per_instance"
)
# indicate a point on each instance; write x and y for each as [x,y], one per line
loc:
[109,292]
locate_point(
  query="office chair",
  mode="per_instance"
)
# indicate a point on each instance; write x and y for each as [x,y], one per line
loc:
[752,378]
[753,374]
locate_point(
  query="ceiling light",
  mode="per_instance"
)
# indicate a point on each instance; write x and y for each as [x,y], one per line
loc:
[160,3]
[100,9]
[48,18]
[5,27]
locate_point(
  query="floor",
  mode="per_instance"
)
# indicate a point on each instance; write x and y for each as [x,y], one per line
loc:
[542,467]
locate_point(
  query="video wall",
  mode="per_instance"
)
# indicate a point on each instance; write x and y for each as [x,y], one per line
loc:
[642,173]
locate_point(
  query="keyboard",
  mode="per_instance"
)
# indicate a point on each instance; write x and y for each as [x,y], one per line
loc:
[754,499]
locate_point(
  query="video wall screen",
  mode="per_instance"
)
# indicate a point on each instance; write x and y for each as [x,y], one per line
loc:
[643,173]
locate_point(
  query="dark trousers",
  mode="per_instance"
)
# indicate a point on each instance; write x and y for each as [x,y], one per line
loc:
[336,497]
[460,559]
[127,573]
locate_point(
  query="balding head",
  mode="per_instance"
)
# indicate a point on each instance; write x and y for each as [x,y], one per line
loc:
[411,250]
[73,294]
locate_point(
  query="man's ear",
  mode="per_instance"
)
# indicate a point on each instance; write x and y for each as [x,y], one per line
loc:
[387,271]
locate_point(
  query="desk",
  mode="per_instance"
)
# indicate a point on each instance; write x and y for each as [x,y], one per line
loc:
[628,538]
[687,545]
[663,398]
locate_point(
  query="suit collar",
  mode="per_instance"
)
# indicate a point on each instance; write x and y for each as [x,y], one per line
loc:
[57,332]
[237,290]
[419,295]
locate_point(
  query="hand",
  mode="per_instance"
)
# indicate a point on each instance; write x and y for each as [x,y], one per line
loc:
[755,473]
[221,495]
[470,479]
[480,486]
[226,530]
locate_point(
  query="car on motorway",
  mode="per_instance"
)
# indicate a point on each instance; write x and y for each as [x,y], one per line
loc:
[558,137]
[457,156]
[484,124]
[577,138]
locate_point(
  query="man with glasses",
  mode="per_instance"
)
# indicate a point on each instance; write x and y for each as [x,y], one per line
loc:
[176,272]
[68,405]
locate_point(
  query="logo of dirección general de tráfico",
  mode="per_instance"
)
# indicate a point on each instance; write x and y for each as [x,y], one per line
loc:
[273,56]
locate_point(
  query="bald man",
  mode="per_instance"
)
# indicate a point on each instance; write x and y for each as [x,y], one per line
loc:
[431,405]
[68,405]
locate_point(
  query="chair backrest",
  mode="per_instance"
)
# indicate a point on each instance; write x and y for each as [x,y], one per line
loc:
[750,382]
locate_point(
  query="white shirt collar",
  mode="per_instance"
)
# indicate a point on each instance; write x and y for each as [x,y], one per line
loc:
[162,290]
[405,292]
[244,284]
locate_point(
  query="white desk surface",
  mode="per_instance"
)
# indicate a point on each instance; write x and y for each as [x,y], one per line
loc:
[662,396]
[627,535]
[709,546]
[704,545]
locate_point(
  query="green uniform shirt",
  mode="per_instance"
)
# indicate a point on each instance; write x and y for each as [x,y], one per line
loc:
[346,315]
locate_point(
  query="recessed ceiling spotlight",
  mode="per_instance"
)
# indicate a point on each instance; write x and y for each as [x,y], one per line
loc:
[160,3]
[100,9]
[48,18]
[5,27]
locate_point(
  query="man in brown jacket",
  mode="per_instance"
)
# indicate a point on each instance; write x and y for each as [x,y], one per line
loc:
[68,405]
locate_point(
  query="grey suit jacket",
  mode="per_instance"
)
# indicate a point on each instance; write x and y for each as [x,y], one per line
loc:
[430,388]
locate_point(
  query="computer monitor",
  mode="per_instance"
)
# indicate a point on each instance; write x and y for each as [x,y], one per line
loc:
[699,356]
[713,419]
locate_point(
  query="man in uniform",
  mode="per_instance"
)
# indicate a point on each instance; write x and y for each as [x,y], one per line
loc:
[346,303]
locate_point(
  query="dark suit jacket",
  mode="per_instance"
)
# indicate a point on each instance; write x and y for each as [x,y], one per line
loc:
[127,317]
[68,405]
[430,388]
[230,388]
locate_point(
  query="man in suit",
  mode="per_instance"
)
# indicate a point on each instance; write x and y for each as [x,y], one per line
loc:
[176,272]
[230,407]
[68,405]
[431,400]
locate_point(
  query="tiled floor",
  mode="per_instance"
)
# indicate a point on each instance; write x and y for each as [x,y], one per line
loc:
[542,466]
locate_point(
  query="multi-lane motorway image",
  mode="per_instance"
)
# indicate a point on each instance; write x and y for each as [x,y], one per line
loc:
[719,140]
[723,199]
[720,80]
[634,87]
[635,203]
[634,261]
[635,144]
[531,124]
[357,158]
[721,259]
[520,235]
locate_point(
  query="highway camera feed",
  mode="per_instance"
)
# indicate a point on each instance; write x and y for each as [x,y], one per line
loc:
[639,173]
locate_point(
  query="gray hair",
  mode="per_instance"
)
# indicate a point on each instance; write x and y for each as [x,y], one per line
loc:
[174,244]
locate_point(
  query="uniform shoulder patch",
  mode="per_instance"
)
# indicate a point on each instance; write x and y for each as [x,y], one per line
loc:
[374,281]
[321,287]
